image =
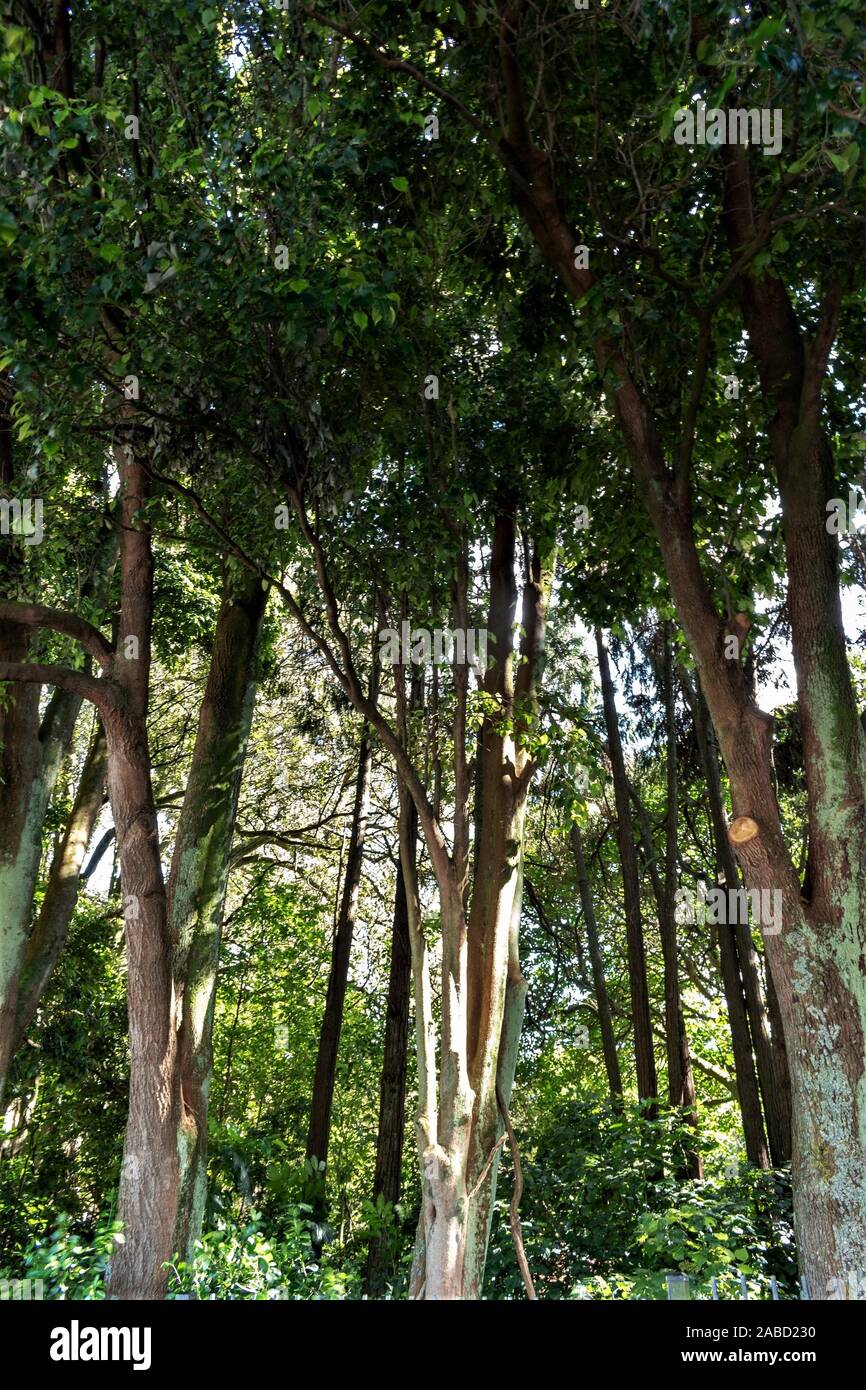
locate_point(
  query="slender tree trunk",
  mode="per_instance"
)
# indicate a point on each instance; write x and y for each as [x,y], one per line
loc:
[319,1131]
[681,1082]
[20,831]
[48,937]
[392,1089]
[781,1100]
[200,870]
[643,1043]
[608,1038]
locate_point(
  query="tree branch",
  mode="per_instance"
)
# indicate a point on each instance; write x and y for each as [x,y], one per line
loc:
[70,624]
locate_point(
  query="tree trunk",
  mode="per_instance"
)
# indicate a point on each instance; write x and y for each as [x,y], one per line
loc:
[647,1083]
[497,987]
[392,1089]
[681,1082]
[319,1131]
[30,760]
[457,1123]
[48,937]
[828,1096]
[770,1055]
[21,811]
[31,757]
[199,875]
[147,1200]
[608,1038]
[730,959]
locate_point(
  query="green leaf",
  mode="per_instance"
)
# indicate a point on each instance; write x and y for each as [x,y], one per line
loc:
[767,29]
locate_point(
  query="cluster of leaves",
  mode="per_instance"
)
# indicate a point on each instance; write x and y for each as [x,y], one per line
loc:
[604,1216]
[243,1262]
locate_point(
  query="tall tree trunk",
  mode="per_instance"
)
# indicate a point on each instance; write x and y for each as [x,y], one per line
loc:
[32,753]
[780,1107]
[392,1087]
[457,1123]
[319,1131]
[200,870]
[770,1056]
[605,1018]
[48,937]
[730,959]
[147,1200]
[20,831]
[647,1083]
[681,1082]
[497,988]
[815,961]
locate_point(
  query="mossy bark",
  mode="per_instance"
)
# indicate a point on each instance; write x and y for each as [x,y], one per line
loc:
[199,877]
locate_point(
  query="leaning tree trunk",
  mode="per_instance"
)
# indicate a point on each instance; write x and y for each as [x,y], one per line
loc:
[31,756]
[647,1083]
[199,874]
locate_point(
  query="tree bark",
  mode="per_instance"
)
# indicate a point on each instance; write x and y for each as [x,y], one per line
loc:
[770,1056]
[647,1083]
[21,809]
[605,1018]
[31,756]
[149,1179]
[48,937]
[730,960]
[392,1088]
[457,1122]
[199,875]
[681,1082]
[319,1131]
